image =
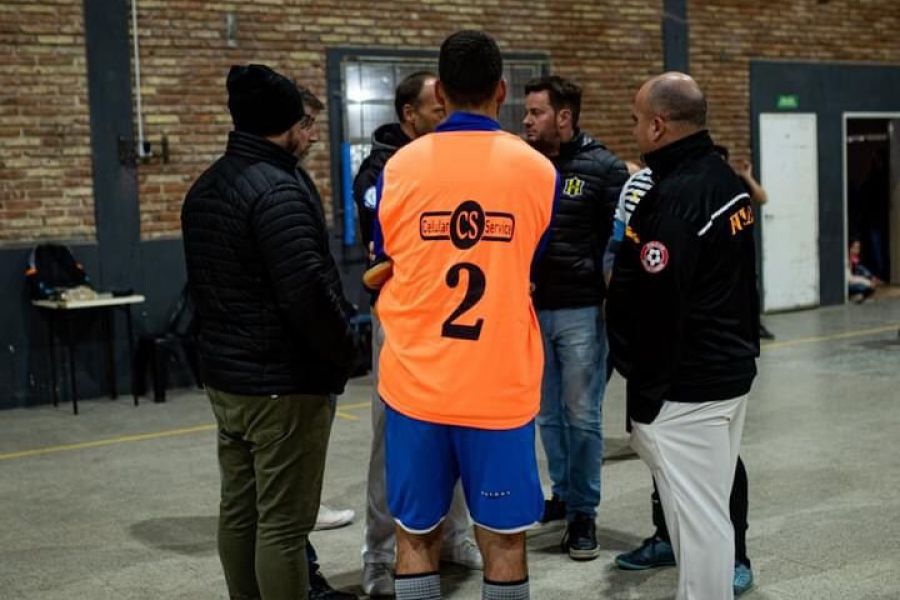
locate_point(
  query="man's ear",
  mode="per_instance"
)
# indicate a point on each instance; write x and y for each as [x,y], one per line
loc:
[500,93]
[659,127]
[439,94]
[564,118]
[408,111]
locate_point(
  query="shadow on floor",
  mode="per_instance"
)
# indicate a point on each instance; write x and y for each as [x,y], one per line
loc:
[190,536]
[618,449]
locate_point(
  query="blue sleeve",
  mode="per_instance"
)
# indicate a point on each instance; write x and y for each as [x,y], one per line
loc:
[618,232]
[377,235]
[615,240]
[545,238]
[609,256]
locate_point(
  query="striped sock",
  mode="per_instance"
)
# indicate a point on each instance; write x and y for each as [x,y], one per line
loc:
[421,586]
[505,590]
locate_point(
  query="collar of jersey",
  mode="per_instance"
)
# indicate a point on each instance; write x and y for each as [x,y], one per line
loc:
[465,121]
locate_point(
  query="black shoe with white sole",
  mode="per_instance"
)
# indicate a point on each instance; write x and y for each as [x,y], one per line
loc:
[580,539]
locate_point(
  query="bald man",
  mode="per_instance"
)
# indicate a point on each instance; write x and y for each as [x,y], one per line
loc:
[684,327]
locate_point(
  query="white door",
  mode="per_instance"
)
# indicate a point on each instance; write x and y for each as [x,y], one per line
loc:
[790,224]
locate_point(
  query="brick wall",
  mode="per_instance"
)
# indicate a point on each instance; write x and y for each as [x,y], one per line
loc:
[726,34]
[184,59]
[610,48]
[45,163]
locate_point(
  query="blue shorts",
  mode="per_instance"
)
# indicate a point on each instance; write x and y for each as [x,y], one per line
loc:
[498,469]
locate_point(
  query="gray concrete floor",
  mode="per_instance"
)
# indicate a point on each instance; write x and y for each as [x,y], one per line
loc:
[120,502]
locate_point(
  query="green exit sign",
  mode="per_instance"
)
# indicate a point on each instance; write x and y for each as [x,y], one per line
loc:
[788,101]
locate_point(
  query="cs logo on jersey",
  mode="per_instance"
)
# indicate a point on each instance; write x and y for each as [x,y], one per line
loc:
[654,257]
[467,224]
[574,187]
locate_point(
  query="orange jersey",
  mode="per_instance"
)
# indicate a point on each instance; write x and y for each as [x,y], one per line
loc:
[461,214]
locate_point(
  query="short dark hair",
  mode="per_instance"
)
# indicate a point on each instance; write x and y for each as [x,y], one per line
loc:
[678,102]
[562,93]
[409,90]
[470,67]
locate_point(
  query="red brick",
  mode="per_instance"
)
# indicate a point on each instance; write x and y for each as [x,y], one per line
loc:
[609,48]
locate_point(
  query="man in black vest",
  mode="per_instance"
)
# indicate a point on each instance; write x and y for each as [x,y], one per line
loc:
[568,292]
[273,338]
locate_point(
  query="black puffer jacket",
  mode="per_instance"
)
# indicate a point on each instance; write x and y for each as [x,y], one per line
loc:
[331,275]
[570,273]
[386,140]
[266,289]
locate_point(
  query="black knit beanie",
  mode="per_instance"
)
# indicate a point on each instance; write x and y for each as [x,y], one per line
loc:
[262,101]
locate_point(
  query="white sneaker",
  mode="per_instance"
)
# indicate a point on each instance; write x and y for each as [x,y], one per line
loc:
[378,579]
[464,553]
[331,518]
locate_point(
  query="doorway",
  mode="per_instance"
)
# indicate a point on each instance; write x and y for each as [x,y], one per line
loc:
[872,196]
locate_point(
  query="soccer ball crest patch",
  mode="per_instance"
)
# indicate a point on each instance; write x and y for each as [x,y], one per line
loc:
[654,257]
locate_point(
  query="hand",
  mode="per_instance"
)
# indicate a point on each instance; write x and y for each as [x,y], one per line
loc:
[377,275]
[744,168]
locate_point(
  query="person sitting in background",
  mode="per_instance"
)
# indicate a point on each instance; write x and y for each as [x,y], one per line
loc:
[861,282]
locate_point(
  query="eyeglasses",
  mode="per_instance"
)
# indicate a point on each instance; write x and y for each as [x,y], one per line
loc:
[307,121]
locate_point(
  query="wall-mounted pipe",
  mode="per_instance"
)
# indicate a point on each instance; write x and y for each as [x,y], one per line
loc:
[143,151]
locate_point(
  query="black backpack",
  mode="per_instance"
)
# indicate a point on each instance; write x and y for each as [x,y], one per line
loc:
[52,268]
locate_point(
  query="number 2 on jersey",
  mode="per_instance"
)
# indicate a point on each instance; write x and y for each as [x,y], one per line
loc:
[474,292]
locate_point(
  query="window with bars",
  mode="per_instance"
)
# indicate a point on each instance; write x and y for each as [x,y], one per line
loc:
[363,82]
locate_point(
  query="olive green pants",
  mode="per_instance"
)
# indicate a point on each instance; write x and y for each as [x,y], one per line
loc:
[271,459]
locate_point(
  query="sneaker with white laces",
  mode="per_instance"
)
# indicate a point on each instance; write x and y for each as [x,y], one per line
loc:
[378,579]
[464,553]
[331,518]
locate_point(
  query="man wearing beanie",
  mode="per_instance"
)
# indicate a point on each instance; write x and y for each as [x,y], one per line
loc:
[273,337]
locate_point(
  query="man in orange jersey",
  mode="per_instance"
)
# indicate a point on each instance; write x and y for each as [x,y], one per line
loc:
[461,214]
[418,114]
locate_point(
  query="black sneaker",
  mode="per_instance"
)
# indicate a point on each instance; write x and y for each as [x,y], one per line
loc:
[554,510]
[580,539]
[320,590]
[653,552]
[765,333]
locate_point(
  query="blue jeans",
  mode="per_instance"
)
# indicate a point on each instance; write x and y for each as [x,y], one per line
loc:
[571,417]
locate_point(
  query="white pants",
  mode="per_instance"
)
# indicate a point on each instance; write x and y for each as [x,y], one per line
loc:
[692,450]
[379,543]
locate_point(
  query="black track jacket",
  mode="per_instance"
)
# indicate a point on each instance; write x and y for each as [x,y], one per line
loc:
[683,310]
